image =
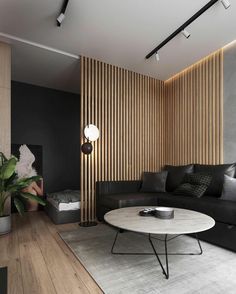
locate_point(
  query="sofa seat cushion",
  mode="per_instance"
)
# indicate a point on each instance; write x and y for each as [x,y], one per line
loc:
[171,200]
[221,210]
[114,201]
[217,172]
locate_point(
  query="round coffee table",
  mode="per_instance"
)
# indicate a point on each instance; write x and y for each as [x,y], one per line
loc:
[184,222]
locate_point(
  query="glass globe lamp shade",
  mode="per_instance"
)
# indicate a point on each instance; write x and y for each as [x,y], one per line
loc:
[91,132]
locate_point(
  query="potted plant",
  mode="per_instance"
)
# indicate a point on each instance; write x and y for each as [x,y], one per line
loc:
[12,187]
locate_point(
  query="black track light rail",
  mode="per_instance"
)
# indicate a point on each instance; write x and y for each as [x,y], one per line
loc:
[181,28]
[63,10]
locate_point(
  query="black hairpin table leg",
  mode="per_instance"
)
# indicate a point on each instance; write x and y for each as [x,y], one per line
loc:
[165,271]
[157,254]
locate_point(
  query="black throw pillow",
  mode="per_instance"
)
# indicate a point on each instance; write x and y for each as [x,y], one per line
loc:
[217,172]
[154,182]
[229,189]
[176,175]
[194,185]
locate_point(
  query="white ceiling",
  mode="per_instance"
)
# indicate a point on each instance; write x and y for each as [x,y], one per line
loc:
[120,32]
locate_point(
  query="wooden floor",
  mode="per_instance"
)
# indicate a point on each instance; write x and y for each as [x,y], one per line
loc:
[39,262]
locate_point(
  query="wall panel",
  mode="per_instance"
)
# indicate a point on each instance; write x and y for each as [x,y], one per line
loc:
[145,123]
[5,103]
[5,98]
[194,113]
[128,109]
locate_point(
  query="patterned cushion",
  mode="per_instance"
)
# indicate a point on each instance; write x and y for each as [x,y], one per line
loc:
[194,184]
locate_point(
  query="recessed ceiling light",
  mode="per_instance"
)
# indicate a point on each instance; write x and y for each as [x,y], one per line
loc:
[157,56]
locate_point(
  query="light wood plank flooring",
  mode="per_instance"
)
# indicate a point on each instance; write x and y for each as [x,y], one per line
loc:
[39,262]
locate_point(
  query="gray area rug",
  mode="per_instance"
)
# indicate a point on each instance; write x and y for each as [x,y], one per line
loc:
[210,273]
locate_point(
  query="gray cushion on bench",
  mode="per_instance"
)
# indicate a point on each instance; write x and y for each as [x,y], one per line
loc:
[66,196]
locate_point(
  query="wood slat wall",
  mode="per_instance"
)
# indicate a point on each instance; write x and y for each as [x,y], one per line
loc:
[128,109]
[145,123]
[5,103]
[5,98]
[194,113]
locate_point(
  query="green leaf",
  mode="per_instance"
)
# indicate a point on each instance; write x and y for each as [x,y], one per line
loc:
[8,168]
[22,183]
[1,185]
[33,197]
[19,206]
[10,181]
[27,181]
[2,158]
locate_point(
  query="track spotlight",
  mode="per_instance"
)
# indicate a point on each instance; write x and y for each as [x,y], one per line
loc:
[180,29]
[62,13]
[186,33]
[225,3]
[157,56]
[60,19]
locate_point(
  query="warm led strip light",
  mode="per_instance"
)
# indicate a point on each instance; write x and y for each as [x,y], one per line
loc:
[10,37]
[198,62]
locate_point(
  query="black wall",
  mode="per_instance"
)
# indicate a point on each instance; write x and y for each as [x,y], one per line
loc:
[51,118]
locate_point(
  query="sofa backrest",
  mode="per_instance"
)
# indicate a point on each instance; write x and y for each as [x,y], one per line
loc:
[176,175]
[114,187]
[217,172]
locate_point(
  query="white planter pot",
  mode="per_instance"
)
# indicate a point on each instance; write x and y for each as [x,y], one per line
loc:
[5,224]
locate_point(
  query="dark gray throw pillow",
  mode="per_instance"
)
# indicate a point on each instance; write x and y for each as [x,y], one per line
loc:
[176,175]
[229,189]
[154,182]
[194,185]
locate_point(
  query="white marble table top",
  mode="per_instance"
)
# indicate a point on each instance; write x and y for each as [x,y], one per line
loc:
[184,221]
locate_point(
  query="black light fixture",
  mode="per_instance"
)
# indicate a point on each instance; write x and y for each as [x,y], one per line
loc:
[62,13]
[91,133]
[87,148]
[226,5]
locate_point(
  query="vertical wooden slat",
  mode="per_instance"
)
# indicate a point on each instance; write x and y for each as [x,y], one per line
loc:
[5,99]
[5,105]
[221,107]
[82,75]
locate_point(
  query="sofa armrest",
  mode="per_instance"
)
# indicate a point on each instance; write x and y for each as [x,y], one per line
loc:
[113,187]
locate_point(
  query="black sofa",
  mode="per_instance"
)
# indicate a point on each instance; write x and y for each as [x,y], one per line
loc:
[116,194]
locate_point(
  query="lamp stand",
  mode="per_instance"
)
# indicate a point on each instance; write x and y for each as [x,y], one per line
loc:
[88,224]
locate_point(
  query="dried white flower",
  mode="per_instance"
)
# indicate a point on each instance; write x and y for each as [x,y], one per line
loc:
[24,167]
